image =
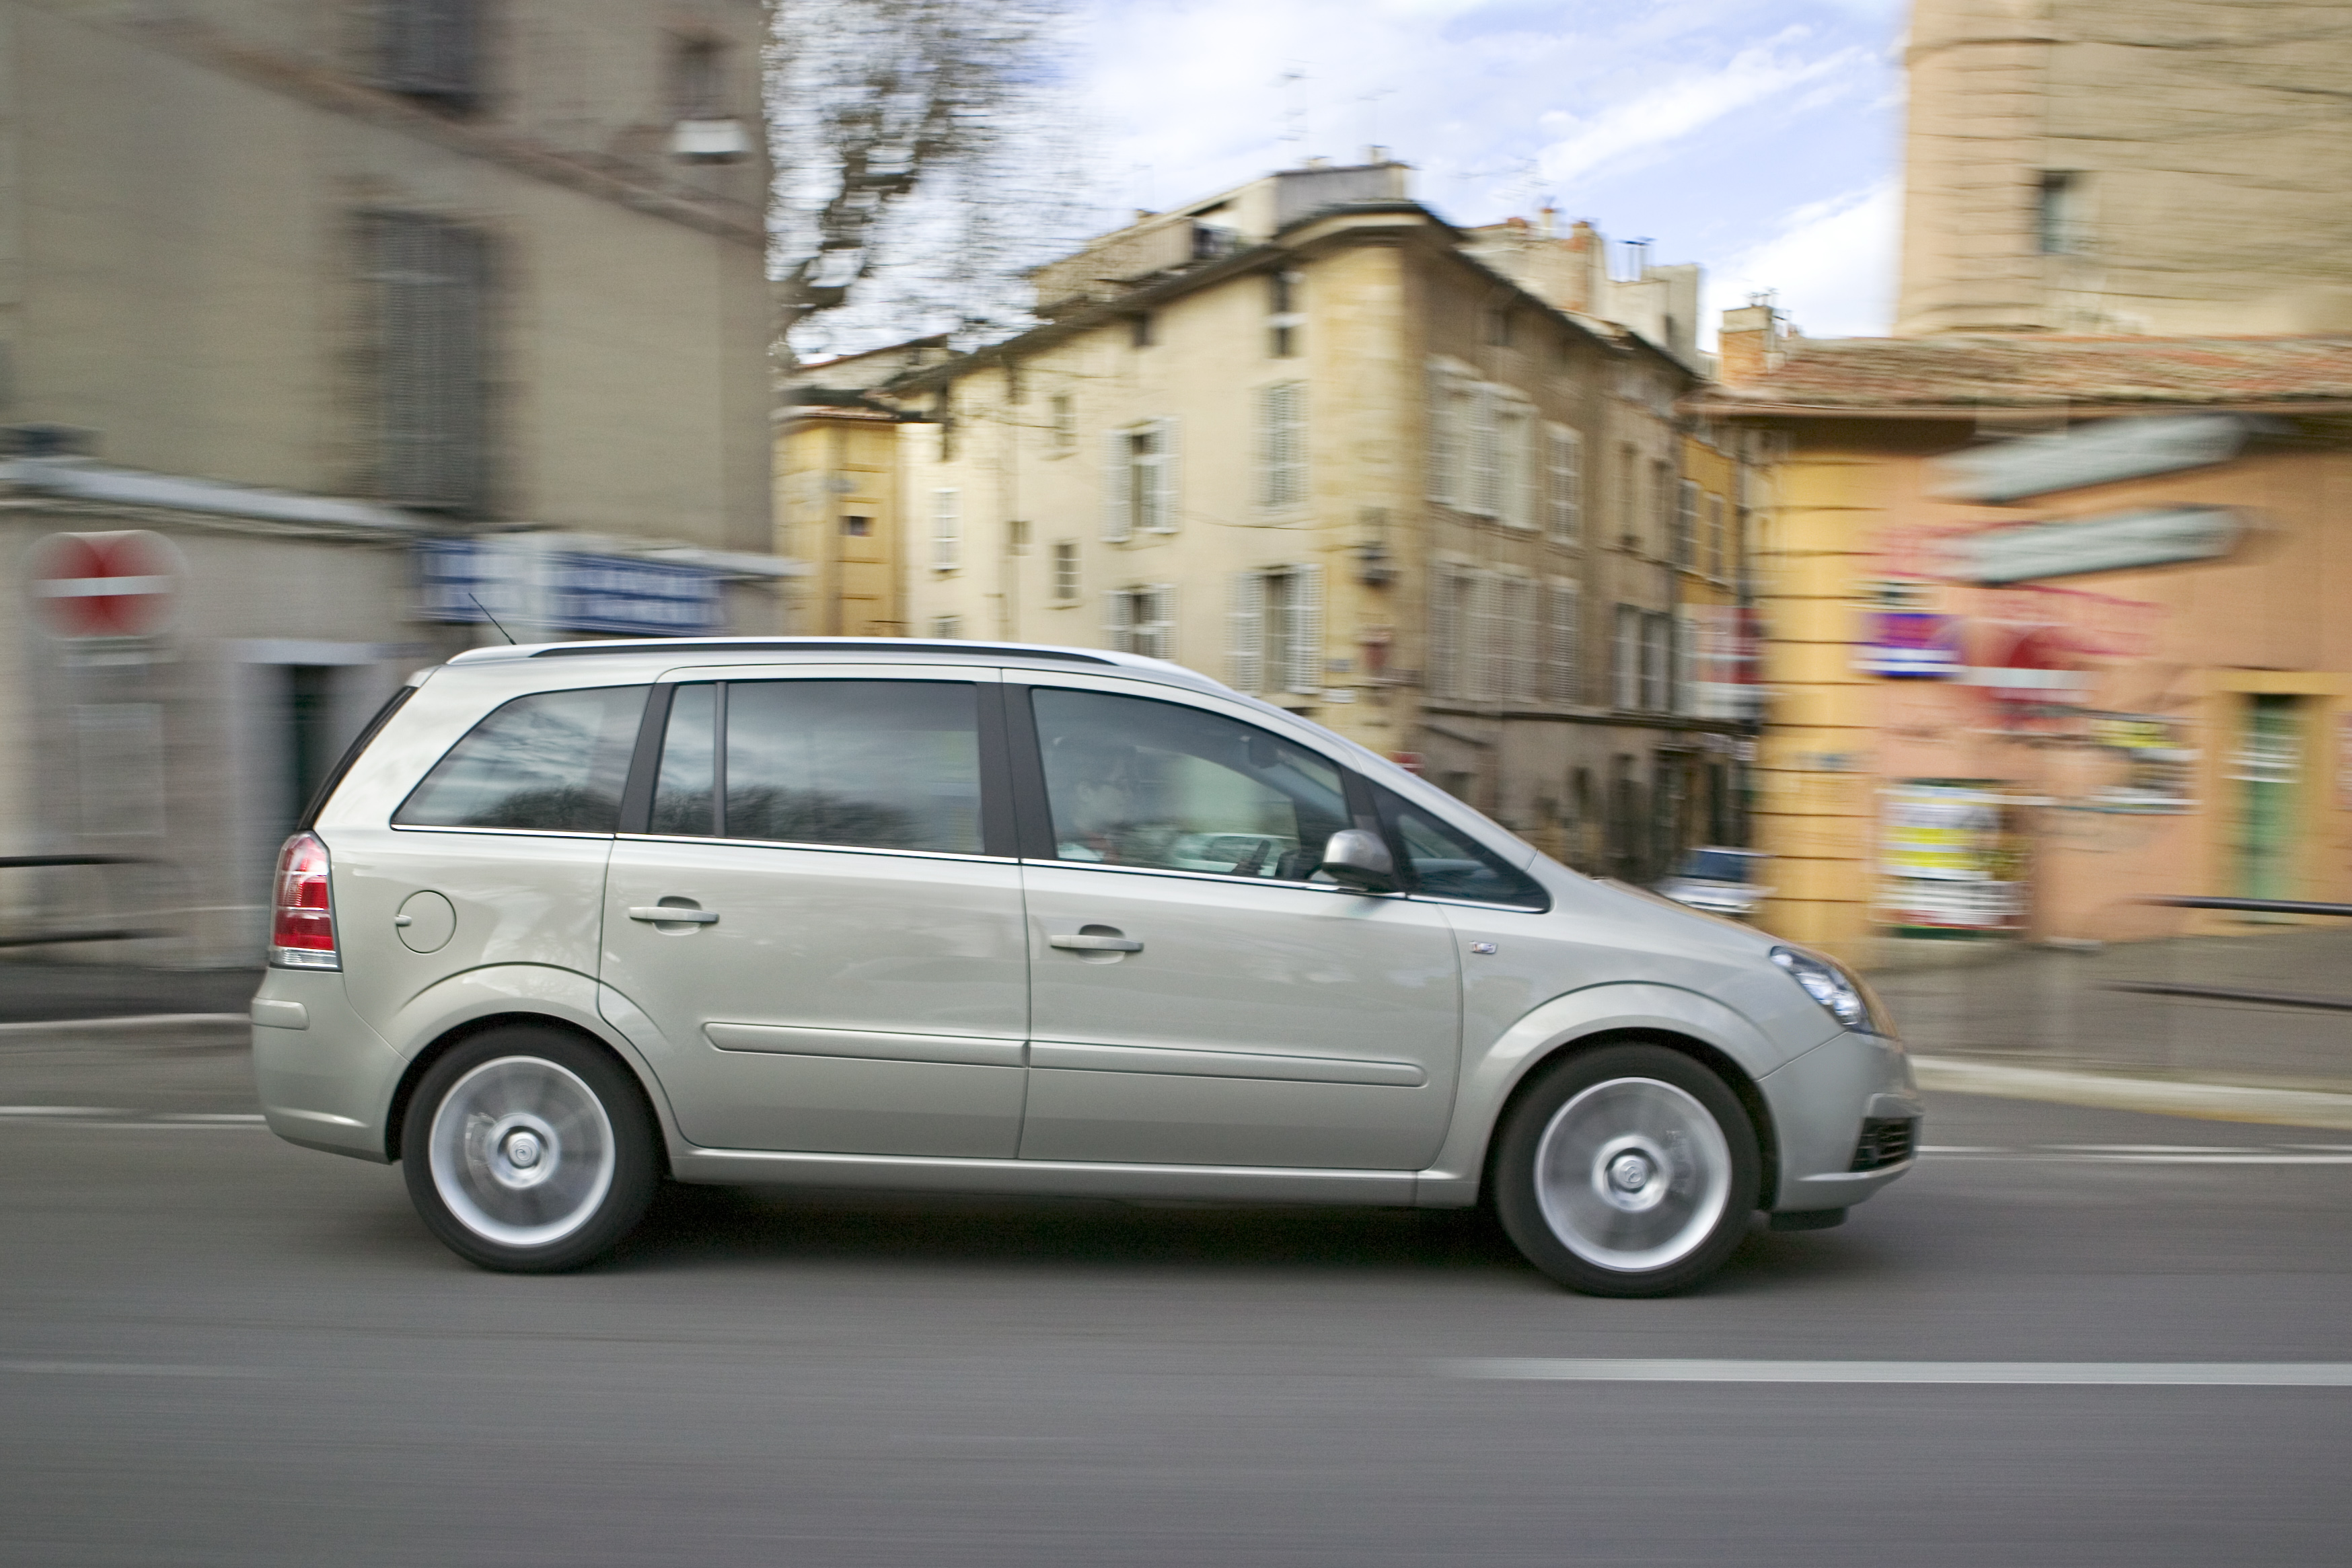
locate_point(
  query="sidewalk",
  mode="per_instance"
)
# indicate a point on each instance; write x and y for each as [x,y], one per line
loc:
[46,990]
[2211,1009]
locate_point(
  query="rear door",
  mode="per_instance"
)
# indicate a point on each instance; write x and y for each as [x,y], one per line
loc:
[1198,997]
[808,909]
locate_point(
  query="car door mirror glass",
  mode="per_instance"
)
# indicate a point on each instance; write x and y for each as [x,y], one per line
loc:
[1357,858]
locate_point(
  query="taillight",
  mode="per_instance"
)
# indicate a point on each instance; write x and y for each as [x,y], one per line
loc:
[302,913]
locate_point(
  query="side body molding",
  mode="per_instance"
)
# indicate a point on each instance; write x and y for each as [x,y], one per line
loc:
[1489,1075]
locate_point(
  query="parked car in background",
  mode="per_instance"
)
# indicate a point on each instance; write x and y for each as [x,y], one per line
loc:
[577,918]
[1718,881]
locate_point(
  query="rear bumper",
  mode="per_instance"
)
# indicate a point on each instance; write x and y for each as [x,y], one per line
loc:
[1819,1102]
[325,1078]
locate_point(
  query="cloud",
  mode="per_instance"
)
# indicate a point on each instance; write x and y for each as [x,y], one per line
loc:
[1831,263]
[1668,113]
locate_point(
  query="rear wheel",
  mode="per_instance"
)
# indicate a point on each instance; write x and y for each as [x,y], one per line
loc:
[529,1150]
[1630,1170]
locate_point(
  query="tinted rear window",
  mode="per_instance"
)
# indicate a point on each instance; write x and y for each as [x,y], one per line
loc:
[552,762]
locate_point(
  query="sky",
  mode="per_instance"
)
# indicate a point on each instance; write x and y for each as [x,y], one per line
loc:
[1759,137]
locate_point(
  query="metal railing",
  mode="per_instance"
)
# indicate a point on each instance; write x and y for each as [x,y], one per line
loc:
[61,935]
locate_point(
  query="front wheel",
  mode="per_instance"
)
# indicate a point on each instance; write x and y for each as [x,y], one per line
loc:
[529,1151]
[1630,1170]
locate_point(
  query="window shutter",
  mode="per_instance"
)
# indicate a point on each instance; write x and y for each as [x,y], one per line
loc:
[1304,657]
[1117,518]
[1282,446]
[1686,524]
[1445,446]
[1444,634]
[1245,631]
[1687,661]
[1486,463]
[1162,599]
[1526,472]
[1520,631]
[947,531]
[1563,650]
[1118,621]
[430,278]
[1162,510]
[1625,659]
[1567,484]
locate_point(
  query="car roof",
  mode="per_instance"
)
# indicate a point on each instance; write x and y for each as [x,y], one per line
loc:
[792,650]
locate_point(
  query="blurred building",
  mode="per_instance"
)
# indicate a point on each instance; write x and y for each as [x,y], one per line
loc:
[839,508]
[328,331]
[2139,166]
[2051,627]
[1311,439]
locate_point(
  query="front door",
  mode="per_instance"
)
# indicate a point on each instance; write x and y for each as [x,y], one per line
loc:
[810,921]
[1197,996]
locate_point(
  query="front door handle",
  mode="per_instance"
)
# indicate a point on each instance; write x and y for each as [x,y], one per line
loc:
[1084,943]
[670,913]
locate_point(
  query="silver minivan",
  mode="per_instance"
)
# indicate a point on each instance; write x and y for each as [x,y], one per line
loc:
[576,918]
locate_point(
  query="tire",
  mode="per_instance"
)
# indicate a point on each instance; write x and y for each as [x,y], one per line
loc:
[529,1151]
[1629,1170]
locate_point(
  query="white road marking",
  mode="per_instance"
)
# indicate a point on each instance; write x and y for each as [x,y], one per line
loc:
[1963,1149]
[62,1110]
[2118,1373]
[120,1369]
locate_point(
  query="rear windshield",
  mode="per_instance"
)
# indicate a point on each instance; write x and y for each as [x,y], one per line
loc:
[552,762]
[1717,866]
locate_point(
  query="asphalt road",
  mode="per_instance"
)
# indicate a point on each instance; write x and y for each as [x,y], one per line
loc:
[215,1348]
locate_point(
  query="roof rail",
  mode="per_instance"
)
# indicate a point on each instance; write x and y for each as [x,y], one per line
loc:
[815,645]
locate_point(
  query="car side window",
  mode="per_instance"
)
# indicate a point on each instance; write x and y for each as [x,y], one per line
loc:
[550,762]
[1441,863]
[1133,781]
[888,765]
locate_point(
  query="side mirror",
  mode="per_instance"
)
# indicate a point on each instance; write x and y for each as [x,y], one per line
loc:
[1359,859]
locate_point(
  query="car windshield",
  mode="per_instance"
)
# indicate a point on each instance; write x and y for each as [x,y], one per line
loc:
[1717,866]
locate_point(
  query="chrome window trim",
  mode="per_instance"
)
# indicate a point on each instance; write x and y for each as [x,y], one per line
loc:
[713,838]
[500,833]
[1225,878]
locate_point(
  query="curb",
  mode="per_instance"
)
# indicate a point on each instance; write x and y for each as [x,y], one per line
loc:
[2159,1096]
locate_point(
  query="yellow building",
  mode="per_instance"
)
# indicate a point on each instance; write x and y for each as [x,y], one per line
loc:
[2050,627]
[838,513]
[1300,436]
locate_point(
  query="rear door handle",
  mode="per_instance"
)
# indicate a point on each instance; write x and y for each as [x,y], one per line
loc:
[668,914]
[1097,943]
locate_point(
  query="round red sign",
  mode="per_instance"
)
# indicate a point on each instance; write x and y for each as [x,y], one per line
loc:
[105,585]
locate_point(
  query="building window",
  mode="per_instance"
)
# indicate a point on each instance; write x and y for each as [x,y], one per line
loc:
[2061,220]
[1514,634]
[1629,498]
[1561,665]
[1498,326]
[1064,433]
[1141,621]
[1284,319]
[1718,538]
[431,49]
[947,436]
[1625,659]
[1686,541]
[1274,629]
[1282,446]
[1016,536]
[1485,639]
[1564,457]
[1452,399]
[858,527]
[1138,330]
[1139,480]
[947,531]
[698,80]
[1657,660]
[1065,571]
[431,279]
[1663,502]
[947,626]
[1518,497]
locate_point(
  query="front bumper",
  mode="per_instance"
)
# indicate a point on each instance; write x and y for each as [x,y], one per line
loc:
[1820,1102]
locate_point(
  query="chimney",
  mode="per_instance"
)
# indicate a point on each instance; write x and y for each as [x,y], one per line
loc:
[1749,347]
[1548,217]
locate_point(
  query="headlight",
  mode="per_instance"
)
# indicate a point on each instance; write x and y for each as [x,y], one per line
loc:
[1841,993]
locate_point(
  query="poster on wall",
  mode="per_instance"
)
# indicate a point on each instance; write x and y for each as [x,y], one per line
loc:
[1951,858]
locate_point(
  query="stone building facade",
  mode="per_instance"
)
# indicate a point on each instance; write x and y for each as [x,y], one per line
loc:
[2136,166]
[357,314]
[1301,436]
